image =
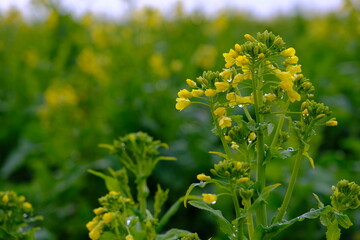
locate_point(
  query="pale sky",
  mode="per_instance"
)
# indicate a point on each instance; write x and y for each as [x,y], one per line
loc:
[116,8]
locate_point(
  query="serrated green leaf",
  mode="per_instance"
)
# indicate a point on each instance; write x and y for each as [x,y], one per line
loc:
[172,234]
[333,231]
[225,226]
[192,186]
[343,220]
[263,233]
[112,184]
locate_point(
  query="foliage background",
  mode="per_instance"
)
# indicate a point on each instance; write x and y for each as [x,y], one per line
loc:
[68,84]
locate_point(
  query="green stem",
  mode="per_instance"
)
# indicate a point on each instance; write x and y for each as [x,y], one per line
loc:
[260,169]
[169,213]
[249,220]
[238,223]
[278,130]
[142,194]
[289,191]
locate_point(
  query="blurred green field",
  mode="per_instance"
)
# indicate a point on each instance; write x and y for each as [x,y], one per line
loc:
[68,84]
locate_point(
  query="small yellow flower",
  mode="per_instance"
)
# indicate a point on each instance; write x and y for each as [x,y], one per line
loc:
[234,145]
[231,96]
[230,58]
[331,123]
[242,180]
[293,96]
[209,198]
[293,69]
[227,138]
[285,76]
[210,92]
[5,199]
[226,74]
[108,217]
[238,79]
[92,224]
[289,52]
[252,136]
[278,40]
[286,85]
[291,60]
[244,100]
[238,48]
[222,86]
[220,111]
[129,237]
[99,210]
[261,56]
[27,206]
[305,112]
[224,122]
[249,37]
[242,60]
[184,93]
[182,103]
[191,83]
[202,177]
[269,97]
[95,234]
[320,116]
[197,92]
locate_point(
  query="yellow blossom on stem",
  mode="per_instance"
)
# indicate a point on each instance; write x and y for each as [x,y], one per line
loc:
[222,86]
[202,177]
[227,138]
[92,224]
[108,217]
[209,198]
[293,96]
[96,232]
[285,76]
[237,79]
[5,199]
[238,48]
[220,111]
[182,103]
[197,92]
[99,210]
[242,180]
[27,206]
[269,97]
[224,122]
[252,136]
[289,52]
[191,83]
[234,145]
[286,85]
[129,237]
[226,74]
[331,123]
[291,60]
[241,61]
[230,58]
[184,93]
[261,56]
[244,100]
[210,92]
[249,37]
[293,69]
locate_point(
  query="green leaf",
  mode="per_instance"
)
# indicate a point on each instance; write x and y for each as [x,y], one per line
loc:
[270,128]
[343,220]
[112,184]
[320,204]
[225,226]
[333,231]
[107,236]
[262,197]
[192,186]
[172,234]
[223,155]
[263,233]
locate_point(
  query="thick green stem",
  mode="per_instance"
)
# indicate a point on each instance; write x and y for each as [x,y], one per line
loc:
[249,220]
[142,194]
[260,148]
[278,130]
[289,191]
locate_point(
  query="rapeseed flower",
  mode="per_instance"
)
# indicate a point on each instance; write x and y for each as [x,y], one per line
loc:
[202,177]
[224,122]
[182,103]
[209,198]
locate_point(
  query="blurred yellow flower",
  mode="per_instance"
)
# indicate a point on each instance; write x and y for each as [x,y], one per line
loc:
[203,177]
[197,92]
[210,92]
[220,111]
[289,52]
[182,103]
[222,86]
[224,122]
[184,93]
[209,198]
